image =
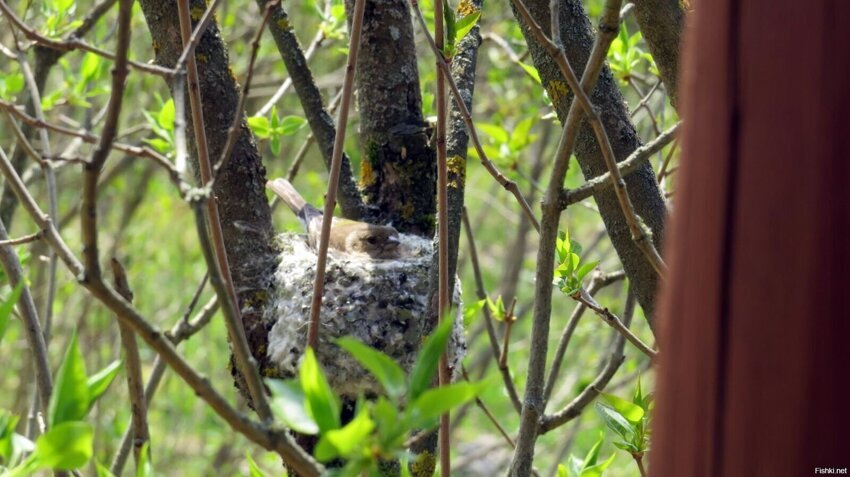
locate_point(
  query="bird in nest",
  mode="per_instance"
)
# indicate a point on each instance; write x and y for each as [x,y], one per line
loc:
[349,236]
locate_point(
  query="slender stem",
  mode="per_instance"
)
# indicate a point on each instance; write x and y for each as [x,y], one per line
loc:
[626,167]
[333,180]
[133,365]
[639,461]
[29,317]
[74,43]
[22,240]
[443,376]
[219,267]
[234,130]
[89,138]
[488,319]
[611,319]
[596,283]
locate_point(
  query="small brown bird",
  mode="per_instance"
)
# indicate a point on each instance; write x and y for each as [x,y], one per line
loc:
[350,236]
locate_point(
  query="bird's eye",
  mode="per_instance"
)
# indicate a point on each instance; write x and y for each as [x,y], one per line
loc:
[371,240]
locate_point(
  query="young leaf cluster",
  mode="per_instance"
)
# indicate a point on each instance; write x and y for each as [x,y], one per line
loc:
[628,419]
[570,272]
[67,443]
[380,428]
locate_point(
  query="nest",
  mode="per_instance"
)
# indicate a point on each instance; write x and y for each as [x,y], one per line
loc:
[382,303]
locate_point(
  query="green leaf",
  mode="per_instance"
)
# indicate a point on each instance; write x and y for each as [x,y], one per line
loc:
[102,470]
[289,125]
[144,468]
[66,446]
[433,403]
[321,402]
[160,145]
[592,454]
[632,412]
[450,27]
[7,306]
[521,137]
[471,309]
[274,144]
[390,428]
[596,470]
[89,66]
[531,71]
[70,398]
[165,117]
[260,126]
[14,83]
[99,382]
[615,421]
[499,134]
[346,441]
[422,374]
[385,370]
[253,469]
[288,404]
[465,24]
[562,471]
[583,270]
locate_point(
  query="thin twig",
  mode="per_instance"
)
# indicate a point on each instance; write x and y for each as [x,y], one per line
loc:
[636,159]
[133,365]
[488,319]
[443,376]
[598,282]
[22,240]
[137,151]
[582,296]
[182,330]
[588,394]
[235,125]
[219,266]
[490,416]
[74,43]
[506,183]
[29,316]
[333,180]
[308,55]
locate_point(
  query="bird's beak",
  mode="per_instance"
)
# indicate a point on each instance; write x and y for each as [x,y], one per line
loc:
[393,241]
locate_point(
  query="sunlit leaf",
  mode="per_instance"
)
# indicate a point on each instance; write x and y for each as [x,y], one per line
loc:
[70,398]
[65,446]
[385,370]
[288,403]
[322,404]
[425,368]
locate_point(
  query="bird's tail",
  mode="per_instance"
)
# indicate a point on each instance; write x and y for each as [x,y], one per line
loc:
[287,193]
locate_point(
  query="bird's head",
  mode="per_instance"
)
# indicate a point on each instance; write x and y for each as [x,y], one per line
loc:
[377,241]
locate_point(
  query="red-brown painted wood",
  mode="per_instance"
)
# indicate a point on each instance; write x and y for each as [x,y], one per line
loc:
[755,314]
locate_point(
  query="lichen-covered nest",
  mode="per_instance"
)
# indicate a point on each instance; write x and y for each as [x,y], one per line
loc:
[382,303]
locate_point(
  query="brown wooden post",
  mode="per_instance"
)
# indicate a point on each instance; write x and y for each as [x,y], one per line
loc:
[755,315]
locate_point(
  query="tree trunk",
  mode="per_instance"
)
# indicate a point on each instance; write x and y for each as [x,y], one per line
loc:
[398,168]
